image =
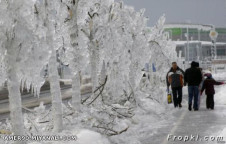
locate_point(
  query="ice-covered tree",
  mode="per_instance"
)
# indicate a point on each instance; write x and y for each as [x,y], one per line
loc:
[163,49]
[113,38]
[75,50]
[22,59]
[125,48]
[75,45]
[51,16]
[97,13]
[163,52]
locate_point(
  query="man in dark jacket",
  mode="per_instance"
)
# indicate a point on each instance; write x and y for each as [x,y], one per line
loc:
[193,77]
[208,86]
[175,78]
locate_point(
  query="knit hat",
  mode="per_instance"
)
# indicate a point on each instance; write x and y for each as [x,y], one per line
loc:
[208,75]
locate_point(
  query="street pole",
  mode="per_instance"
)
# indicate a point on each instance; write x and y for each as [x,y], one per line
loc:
[188,53]
[213,35]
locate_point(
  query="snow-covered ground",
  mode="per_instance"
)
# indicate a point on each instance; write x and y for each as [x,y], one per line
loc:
[114,42]
[220,96]
[151,114]
[153,119]
[82,136]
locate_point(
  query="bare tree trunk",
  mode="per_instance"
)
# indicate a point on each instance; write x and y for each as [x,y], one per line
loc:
[94,59]
[76,94]
[93,64]
[75,64]
[15,104]
[56,93]
[57,110]
[131,71]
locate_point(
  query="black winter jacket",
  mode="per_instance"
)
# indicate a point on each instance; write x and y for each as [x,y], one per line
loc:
[193,76]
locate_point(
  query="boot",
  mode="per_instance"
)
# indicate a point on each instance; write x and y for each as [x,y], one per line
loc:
[196,109]
[180,106]
[189,107]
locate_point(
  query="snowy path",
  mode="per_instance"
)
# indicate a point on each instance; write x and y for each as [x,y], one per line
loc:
[186,123]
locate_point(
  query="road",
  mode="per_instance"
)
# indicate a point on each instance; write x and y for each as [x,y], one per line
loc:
[186,123]
[29,101]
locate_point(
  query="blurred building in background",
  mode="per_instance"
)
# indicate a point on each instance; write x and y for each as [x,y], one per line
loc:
[195,44]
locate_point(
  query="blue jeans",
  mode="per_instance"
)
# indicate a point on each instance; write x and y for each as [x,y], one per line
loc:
[193,91]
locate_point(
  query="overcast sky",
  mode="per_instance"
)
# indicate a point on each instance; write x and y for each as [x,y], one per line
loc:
[180,11]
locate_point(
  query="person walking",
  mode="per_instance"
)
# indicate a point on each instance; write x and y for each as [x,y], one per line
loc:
[174,78]
[208,86]
[200,86]
[193,78]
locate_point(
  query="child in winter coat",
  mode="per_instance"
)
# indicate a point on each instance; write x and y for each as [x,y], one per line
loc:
[208,86]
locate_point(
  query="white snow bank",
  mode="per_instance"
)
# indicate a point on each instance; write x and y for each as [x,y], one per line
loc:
[220,76]
[220,96]
[223,133]
[91,137]
[84,136]
[220,134]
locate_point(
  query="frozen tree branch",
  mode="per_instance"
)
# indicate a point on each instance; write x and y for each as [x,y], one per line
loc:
[100,88]
[112,132]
